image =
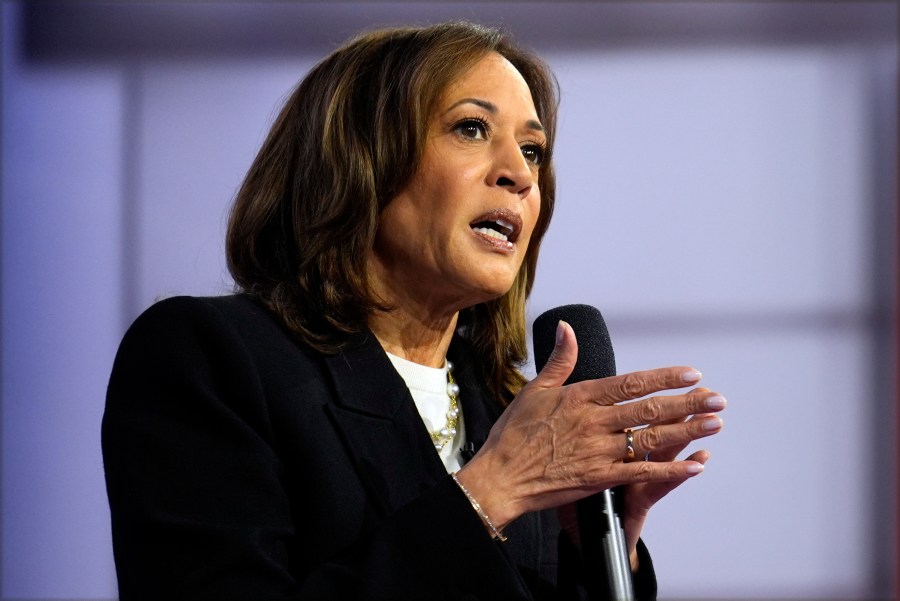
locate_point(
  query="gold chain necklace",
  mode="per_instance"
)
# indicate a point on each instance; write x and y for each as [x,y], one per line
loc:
[445,435]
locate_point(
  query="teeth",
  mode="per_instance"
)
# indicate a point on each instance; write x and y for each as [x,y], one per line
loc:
[505,225]
[491,233]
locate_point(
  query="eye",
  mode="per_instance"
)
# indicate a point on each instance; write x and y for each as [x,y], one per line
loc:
[533,153]
[472,128]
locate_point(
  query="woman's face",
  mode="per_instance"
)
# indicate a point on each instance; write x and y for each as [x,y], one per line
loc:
[457,234]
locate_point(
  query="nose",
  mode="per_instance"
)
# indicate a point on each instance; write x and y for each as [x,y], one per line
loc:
[511,170]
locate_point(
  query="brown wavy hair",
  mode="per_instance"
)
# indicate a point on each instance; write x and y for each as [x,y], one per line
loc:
[345,143]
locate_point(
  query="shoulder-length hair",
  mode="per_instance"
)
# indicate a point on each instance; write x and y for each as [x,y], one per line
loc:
[346,142]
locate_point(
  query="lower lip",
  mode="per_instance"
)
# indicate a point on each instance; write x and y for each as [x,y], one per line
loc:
[495,243]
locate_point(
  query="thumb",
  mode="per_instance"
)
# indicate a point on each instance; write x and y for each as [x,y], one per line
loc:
[562,360]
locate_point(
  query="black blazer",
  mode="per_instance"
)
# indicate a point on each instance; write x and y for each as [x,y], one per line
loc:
[241,464]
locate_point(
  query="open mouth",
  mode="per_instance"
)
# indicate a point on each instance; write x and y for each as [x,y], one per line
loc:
[501,224]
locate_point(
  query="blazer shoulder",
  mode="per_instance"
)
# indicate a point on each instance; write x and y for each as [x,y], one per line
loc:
[174,310]
[233,330]
[235,315]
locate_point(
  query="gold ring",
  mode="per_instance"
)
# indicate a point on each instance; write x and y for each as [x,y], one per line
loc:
[629,444]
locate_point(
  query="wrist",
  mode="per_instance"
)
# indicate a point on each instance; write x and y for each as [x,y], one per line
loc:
[492,496]
[494,531]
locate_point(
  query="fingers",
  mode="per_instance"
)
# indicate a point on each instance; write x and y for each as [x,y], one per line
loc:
[561,361]
[651,471]
[670,453]
[627,387]
[642,496]
[665,442]
[699,456]
[662,409]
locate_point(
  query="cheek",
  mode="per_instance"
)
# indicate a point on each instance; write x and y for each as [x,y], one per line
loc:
[533,211]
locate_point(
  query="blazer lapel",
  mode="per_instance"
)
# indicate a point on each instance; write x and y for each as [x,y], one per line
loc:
[380,425]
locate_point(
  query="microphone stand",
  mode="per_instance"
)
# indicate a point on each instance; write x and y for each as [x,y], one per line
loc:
[607,565]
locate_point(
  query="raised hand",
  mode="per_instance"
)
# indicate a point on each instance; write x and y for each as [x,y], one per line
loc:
[556,444]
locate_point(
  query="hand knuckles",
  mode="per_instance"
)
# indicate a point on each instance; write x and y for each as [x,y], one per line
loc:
[631,386]
[649,411]
[596,422]
[651,439]
[571,397]
[643,471]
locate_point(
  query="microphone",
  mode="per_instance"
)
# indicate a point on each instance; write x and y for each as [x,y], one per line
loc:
[599,527]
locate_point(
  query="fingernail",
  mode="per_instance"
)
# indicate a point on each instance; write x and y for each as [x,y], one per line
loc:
[695,468]
[560,332]
[716,403]
[711,423]
[691,376]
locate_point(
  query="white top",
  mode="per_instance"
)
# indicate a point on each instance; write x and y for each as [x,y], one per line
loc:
[428,387]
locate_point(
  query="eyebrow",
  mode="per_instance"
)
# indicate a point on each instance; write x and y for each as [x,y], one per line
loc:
[492,109]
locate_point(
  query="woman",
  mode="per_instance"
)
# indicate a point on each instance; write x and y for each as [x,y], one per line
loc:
[307,438]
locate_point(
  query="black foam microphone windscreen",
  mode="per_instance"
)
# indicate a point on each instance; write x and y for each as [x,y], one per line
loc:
[595,352]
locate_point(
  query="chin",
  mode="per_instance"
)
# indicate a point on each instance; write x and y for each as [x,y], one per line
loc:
[487,285]
[492,292]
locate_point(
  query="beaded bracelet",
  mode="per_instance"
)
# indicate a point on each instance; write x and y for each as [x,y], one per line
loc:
[484,517]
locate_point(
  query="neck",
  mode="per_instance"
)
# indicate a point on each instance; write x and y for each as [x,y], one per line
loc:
[421,339]
[421,324]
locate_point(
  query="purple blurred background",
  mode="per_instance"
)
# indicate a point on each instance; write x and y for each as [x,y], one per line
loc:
[727,198]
